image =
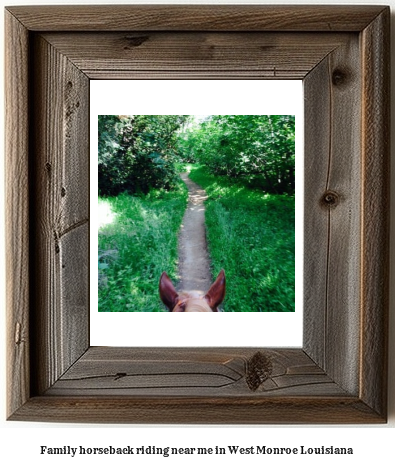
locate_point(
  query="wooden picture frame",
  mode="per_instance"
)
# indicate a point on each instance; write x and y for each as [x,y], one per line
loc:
[340,374]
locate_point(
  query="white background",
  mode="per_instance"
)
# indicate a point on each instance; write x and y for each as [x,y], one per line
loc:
[373,445]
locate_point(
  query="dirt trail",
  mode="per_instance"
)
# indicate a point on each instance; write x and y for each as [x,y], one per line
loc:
[194,263]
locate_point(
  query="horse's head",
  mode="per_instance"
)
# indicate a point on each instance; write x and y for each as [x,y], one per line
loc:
[192,301]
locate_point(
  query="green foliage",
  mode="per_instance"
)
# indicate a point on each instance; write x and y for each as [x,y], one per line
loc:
[252,236]
[250,231]
[137,152]
[137,247]
[259,148]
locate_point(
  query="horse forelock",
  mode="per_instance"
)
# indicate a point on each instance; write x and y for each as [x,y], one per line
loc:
[192,302]
[197,305]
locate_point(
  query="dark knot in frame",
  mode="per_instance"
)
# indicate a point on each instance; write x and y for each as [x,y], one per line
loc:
[330,199]
[259,369]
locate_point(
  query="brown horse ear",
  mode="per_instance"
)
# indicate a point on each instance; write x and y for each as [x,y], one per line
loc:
[216,293]
[167,292]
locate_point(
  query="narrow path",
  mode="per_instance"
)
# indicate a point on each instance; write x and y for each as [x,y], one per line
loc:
[194,263]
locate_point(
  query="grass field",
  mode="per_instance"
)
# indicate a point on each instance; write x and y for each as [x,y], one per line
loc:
[134,249]
[252,236]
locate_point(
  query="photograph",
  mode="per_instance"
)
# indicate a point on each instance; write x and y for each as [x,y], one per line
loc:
[196,213]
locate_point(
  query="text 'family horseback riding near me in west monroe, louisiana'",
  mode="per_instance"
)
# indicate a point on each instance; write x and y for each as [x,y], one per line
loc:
[217,450]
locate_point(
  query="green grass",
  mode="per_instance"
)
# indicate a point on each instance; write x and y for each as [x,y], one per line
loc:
[136,247]
[252,236]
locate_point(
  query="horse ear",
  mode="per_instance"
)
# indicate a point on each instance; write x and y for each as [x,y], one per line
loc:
[167,292]
[216,293]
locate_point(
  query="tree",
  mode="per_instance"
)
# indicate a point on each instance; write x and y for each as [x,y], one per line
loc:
[137,152]
[260,148]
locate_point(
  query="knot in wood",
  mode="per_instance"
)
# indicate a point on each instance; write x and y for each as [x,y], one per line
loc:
[135,41]
[259,369]
[330,199]
[339,77]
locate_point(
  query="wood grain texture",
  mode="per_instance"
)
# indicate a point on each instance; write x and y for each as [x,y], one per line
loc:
[191,372]
[198,410]
[317,114]
[339,376]
[195,54]
[60,237]
[196,17]
[17,213]
[375,212]
[332,214]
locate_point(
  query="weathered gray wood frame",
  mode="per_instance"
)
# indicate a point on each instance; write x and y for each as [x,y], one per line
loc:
[340,374]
